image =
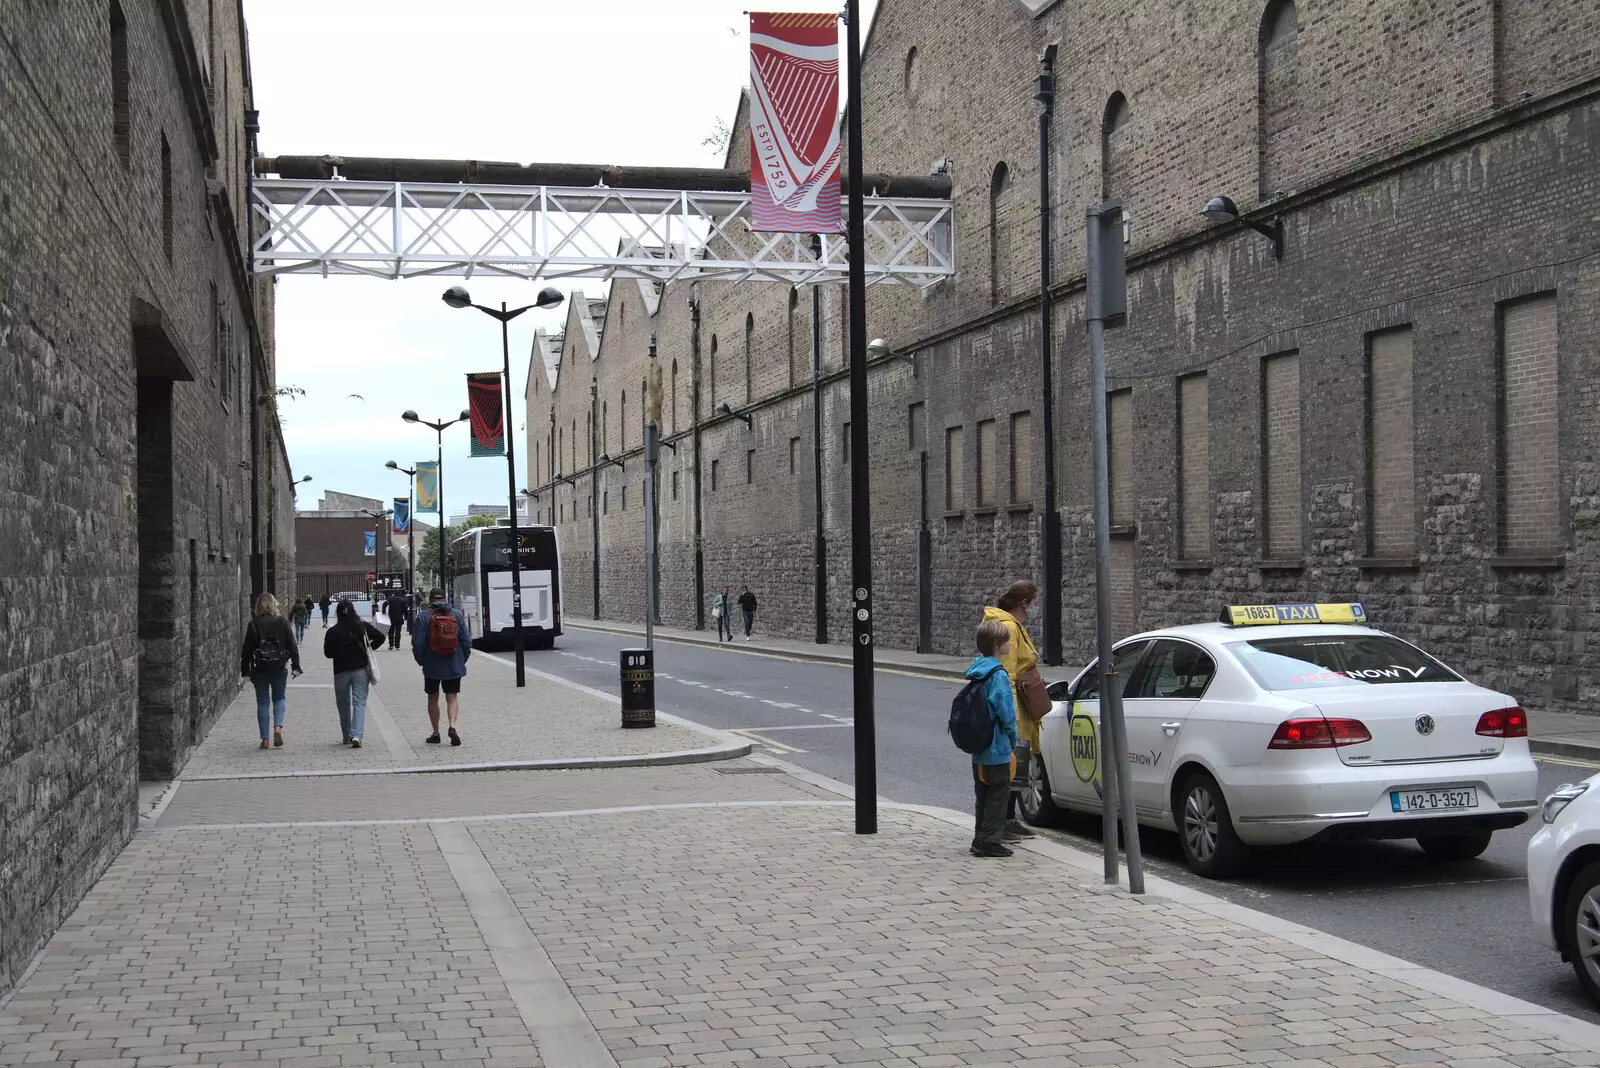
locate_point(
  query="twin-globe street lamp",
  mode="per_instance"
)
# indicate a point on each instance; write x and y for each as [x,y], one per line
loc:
[411,516]
[438,429]
[457,297]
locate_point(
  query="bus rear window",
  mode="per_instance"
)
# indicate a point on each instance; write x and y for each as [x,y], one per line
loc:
[538,550]
[1316,660]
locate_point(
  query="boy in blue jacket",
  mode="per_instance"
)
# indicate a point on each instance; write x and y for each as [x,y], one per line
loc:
[992,768]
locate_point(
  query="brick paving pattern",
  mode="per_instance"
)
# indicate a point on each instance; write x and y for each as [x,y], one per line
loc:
[545,720]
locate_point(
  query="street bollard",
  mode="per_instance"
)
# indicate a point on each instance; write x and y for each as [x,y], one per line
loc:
[638,688]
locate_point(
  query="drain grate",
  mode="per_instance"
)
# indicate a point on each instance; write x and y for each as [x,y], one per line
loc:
[753,770]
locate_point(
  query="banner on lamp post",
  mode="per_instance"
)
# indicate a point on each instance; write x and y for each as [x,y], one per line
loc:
[372,543]
[427,486]
[794,123]
[402,515]
[488,410]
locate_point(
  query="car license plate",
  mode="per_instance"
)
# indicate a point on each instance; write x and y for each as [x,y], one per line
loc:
[1433,800]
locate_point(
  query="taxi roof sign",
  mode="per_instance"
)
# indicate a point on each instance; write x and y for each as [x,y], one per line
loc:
[1255,615]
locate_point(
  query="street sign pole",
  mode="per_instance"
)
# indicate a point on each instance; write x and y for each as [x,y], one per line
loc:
[1105,293]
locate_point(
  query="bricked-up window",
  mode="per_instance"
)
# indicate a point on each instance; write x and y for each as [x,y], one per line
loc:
[1282,105]
[999,187]
[166,199]
[624,497]
[605,427]
[120,125]
[674,485]
[1280,456]
[749,466]
[1391,437]
[986,463]
[955,489]
[1116,147]
[749,354]
[916,427]
[794,314]
[794,454]
[1119,436]
[845,439]
[715,470]
[674,429]
[1530,465]
[622,423]
[605,502]
[713,371]
[1194,467]
[1021,473]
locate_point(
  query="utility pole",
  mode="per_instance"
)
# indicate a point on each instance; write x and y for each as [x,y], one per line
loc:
[1051,529]
[652,453]
[1106,301]
[819,543]
[860,490]
[594,491]
[694,423]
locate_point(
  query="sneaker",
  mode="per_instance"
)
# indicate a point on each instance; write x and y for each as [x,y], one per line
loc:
[1019,829]
[433,739]
[355,743]
[991,851]
[455,739]
[1010,839]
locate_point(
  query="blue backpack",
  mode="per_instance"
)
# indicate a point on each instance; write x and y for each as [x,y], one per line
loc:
[971,723]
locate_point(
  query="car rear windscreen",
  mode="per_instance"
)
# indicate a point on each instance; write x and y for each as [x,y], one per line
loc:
[1337,660]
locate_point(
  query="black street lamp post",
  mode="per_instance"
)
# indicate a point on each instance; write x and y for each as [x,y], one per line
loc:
[439,429]
[457,297]
[411,526]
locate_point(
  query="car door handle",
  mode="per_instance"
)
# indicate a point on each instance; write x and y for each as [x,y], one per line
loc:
[1171,728]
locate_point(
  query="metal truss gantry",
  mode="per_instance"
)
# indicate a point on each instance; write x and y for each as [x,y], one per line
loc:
[411,229]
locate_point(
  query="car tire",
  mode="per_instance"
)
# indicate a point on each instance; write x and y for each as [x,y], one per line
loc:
[1581,910]
[1455,847]
[1211,847]
[1036,805]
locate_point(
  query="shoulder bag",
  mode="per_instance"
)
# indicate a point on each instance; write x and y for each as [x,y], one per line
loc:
[1035,696]
[366,654]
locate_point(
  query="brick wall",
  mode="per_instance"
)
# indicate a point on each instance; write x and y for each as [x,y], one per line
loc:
[1392,429]
[1194,482]
[1530,429]
[1280,454]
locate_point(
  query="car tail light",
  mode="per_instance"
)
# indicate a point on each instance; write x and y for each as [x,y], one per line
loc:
[1504,723]
[1319,733]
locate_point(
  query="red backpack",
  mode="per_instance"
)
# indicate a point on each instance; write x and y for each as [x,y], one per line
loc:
[444,633]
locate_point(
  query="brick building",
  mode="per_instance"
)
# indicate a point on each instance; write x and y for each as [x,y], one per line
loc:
[1400,410]
[147,492]
[331,544]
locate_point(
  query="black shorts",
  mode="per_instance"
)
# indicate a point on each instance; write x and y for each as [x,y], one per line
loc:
[447,685]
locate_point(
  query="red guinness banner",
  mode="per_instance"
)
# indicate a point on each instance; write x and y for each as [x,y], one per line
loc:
[794,123]
[488,411]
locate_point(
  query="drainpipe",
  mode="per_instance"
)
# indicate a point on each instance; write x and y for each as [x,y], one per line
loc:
[694,420]
[1051,587]
[819,550]
[594,491]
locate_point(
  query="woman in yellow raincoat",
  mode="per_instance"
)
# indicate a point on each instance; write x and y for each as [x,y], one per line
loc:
[1012,610]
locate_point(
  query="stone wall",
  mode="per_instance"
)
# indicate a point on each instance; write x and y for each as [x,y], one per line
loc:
[132,361]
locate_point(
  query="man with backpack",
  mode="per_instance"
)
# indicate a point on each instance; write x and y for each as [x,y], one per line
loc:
[983,722]
[441,645]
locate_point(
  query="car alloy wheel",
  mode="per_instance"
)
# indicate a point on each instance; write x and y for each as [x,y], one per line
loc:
[1031,797]
[1580,928]
[1200,823]
[1210,845]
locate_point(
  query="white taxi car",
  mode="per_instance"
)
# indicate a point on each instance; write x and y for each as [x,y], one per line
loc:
[1564,879]
[1288,723]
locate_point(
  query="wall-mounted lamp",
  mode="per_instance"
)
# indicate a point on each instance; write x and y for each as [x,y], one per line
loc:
[668,445]
[879,349]
[1224,210]
[558,479]
[723,409]
[606,461]
[533,494]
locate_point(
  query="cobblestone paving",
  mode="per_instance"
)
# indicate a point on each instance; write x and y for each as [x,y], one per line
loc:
[270,948]
[773,937]
[544,720]
[387,797]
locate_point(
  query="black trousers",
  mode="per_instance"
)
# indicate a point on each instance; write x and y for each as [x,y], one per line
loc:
[989,810]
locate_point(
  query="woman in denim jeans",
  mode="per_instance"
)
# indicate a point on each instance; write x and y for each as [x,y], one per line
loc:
[268,655]
[343,644]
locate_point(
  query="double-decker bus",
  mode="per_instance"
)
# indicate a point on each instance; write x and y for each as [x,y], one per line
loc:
[481,588]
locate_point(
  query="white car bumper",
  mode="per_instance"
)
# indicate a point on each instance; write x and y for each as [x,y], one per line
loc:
[1545,854]
[1276,802]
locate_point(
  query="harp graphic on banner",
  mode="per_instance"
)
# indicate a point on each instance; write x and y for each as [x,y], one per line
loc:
[794,123]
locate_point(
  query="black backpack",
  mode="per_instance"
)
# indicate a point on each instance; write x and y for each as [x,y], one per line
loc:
[971,722]
[269,653]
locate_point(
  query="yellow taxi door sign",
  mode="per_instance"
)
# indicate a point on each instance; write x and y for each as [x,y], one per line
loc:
[1255,615]
[1085,746]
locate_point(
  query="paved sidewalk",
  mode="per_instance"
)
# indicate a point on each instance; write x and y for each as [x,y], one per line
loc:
[706,914]
[547,720]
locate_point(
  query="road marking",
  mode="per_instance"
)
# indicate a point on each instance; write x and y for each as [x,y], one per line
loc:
[1564,762]
[795,727]
[773,746]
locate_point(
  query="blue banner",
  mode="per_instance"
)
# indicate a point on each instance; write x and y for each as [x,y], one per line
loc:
[372,543]
[402,515]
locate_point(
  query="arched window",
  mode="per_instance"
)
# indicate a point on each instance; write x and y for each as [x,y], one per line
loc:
[674,415]
[1116,148]
[622,422]
[713,375]
[644,407]
[794,312]
[749,348]
[999,187]
[605,428]
[913,75]
[1279,108]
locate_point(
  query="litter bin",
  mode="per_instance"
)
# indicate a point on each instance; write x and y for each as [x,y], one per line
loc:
[638,687]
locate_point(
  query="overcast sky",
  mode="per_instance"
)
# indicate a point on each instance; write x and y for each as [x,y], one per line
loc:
[596,81]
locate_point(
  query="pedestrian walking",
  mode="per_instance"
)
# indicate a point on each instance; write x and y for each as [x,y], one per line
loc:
[747,604]
[411,609]
[325,603]
[722,612]
[441,645]
[992,768]
[1029,697]
[300,615]
[348,644]
[395,609]
[268,655]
